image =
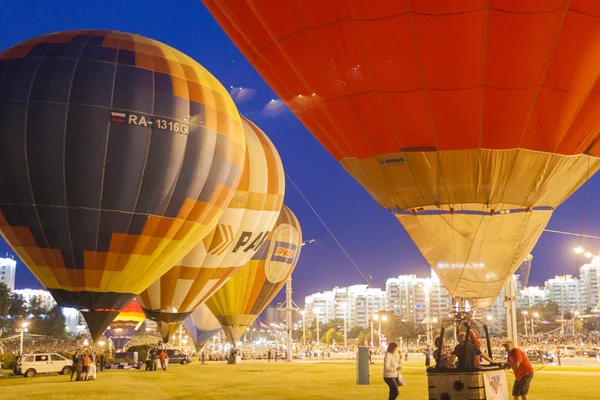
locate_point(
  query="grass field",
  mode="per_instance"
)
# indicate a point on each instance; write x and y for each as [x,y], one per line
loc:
[260,380]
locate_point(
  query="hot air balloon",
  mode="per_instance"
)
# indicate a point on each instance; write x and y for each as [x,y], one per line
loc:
[125,324]
[241,230]
[118,154]
[241,300]
[202,325]
[470,120]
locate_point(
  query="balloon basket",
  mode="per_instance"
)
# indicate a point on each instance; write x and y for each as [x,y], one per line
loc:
[486,383]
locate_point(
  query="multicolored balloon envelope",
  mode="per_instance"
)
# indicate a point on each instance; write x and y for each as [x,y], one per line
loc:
[241,300]
[118,154]
[125,324]
[202,326]
[470,120]
[241,230]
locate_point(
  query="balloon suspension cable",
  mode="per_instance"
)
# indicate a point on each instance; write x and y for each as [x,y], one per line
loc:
[329,231]
[585,196]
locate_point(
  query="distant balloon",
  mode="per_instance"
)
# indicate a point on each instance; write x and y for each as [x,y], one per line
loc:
[470,120]
[118,154]
[241,230]
[202,326]
[241,300]
[241,94]
[125,324]
[273,108]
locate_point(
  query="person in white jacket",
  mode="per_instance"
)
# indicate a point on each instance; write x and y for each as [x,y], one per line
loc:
[391,370]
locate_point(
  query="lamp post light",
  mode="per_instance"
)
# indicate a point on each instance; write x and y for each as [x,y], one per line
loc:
[374,318]
[383,318]
[525,322]
[303,312]
[23,329]
[345,308]
[316,310]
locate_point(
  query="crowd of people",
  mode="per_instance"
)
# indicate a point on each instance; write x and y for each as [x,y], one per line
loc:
[85,365]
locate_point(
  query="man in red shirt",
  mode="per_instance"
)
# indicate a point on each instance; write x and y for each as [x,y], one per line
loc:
[518,361]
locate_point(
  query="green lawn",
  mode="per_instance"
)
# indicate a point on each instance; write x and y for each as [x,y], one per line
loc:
[261,380]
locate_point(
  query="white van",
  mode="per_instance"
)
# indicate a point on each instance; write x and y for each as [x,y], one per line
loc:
[29,365]
[568,351]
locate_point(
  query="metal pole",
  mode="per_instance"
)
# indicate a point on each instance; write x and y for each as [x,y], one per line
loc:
[288,308]
[525,323]
[304,327]
[372,337]
[318,341]
[345,327]
[532,330]
[21,347]
[379,335]
[180,334]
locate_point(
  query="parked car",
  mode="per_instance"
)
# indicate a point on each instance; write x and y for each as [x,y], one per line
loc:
[568,351]
[592,352]
[178,357]
[29,365]
[539,356]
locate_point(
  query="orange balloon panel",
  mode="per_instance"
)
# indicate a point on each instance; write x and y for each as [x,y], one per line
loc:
[450,110]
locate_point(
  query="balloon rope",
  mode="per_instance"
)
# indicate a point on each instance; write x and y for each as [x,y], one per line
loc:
[329,230]
[585,196]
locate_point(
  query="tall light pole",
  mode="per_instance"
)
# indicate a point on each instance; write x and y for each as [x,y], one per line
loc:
[303,312]
[374,318]
[525,321]
[535,315]
[23,330]
[316,310]
[345,308]
[383,318]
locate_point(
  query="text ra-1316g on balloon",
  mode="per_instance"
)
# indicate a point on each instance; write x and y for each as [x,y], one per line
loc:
[149,121]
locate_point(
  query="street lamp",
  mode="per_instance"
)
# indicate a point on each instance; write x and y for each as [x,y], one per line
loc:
[374,318]
[525,322]
[303,312]
[535,315]
[383,318]
[23,329]
[345,308]
[316,310]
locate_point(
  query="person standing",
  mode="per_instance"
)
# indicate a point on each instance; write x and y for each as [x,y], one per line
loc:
[86,367]
[518,361]
[558,355]
[391,370]
[163,359]
[467,353]
[427,353]
[75,367]
[102,361]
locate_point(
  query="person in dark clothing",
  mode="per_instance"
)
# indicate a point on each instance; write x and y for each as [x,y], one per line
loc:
[74,365]
[468,358]
[427,353]
[102,361]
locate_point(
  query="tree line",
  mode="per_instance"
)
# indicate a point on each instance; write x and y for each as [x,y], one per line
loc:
[41,319]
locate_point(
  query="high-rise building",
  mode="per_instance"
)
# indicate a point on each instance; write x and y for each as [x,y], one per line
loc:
[565,291]
[588,282]
[408,297]
[358,303]
[531,296]
[8,268]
